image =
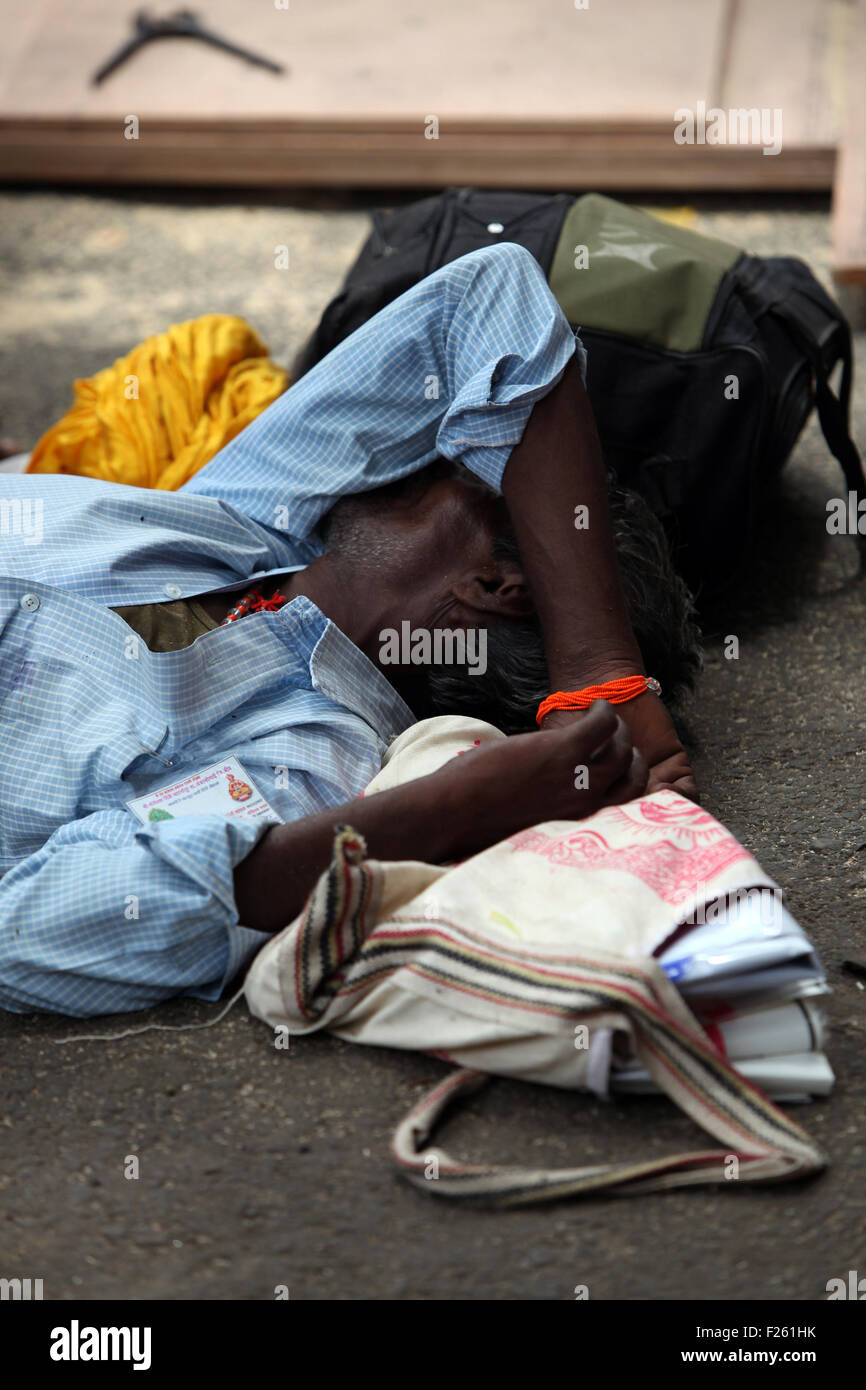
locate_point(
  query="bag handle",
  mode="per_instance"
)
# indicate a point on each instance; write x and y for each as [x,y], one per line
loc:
[764,1144]
[833,410]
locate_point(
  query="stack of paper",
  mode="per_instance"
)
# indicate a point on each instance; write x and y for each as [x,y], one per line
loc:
[750,974]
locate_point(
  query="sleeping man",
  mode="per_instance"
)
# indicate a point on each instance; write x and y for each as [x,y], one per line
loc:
[437,475]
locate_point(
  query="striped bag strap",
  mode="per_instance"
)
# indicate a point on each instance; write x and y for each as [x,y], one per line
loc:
[500,1185]
[762,1142]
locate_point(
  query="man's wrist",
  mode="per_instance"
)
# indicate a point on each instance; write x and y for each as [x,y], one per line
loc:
[576,673]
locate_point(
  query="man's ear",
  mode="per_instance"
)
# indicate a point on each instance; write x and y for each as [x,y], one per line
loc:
[498,589]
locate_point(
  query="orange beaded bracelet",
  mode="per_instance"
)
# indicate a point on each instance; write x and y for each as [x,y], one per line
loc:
[615,692]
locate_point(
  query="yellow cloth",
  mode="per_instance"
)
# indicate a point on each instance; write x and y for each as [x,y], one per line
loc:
[678,217]
[158,414]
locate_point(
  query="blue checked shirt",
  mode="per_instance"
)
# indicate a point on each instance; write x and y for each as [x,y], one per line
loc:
[98,912]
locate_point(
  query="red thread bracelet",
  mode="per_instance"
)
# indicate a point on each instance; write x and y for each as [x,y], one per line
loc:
[615,692]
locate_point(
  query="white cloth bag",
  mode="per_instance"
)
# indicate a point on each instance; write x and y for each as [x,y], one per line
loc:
[527,960]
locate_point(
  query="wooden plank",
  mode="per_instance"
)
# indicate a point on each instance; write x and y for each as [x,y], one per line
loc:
[390,58]
[849,190]
[319,154]
[790,55]
[539,95]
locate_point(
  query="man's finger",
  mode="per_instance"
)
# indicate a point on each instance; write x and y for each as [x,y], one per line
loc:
[595,727]
[686,786]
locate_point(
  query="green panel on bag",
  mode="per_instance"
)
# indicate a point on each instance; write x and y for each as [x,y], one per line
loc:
[642,277]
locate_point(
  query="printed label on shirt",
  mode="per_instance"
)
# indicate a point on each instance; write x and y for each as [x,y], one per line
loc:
[223,789]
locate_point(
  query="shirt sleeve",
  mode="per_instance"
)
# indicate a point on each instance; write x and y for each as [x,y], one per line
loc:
[108,917]
[453,367]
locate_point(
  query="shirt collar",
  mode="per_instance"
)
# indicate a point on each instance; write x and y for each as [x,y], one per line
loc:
[343,673]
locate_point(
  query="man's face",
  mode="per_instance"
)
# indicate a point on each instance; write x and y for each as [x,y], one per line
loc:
[430,561]
[433,573]
[437,557]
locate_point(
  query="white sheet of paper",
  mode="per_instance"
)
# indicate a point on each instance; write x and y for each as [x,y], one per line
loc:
[223,789]
[746,934]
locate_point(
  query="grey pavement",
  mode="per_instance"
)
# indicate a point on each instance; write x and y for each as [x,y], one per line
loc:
[260,1167]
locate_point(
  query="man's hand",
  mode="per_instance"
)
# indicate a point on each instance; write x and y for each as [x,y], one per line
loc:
[654,733]
[557,774]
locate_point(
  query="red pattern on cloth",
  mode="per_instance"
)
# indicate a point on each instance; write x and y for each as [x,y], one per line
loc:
[696,848]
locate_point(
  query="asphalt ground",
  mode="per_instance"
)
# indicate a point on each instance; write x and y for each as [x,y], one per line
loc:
[260,1167]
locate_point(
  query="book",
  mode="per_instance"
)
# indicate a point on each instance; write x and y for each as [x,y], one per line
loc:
[751,976]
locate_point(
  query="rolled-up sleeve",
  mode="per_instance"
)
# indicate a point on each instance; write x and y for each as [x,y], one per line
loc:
[452,367]
[507,343]
[108,917]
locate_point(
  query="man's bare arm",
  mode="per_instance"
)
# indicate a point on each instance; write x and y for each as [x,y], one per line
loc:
[573,571]
[474,801]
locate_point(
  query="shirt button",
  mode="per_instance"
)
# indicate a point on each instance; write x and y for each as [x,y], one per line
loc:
[172,591]
[30,602]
